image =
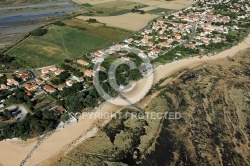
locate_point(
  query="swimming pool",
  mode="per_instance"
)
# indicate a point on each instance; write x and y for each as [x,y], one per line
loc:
[74,78]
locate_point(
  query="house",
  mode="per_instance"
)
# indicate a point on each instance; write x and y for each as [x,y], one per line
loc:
[69,83]
[99,53]
[126,58]
[177,36]
[1,105]
[49,88]
[60,110]
[101,68]
[60,87]
[3,87]
[45,77]
[46,70]
[11,81]
[80,79]
[39,81]
[98,60]
[30,87]
[165,44]
[128,40]
[24,75]
[82,62]
[58,72]
[28,93]
[89,73]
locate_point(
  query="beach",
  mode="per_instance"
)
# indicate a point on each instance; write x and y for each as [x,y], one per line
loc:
[13,151]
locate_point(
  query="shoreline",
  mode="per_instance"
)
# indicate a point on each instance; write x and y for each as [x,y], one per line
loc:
[52,147]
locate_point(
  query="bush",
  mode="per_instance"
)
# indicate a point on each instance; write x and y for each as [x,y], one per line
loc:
[6,59]
[59,23]
[91,20]
[39,32]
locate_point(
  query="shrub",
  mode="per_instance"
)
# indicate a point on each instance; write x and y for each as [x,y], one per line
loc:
[39,32]
[59,23]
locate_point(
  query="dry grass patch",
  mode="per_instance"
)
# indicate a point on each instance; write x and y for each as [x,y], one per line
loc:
[130,21]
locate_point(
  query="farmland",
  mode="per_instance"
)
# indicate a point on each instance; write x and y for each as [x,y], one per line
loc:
[62,42]
[111,8]
[130,21]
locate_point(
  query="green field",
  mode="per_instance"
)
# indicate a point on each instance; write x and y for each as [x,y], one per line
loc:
[63,42]
[112,8]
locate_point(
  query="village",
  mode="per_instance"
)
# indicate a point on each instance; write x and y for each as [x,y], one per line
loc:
[201,28]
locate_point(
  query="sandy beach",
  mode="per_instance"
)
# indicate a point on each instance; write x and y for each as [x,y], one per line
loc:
[13,152]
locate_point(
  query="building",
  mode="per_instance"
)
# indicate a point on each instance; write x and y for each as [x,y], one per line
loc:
[39,81]
[45,77]
[11,81]
[49,89]
[31,87]
[3,87]
[101,68]
[69,83]
[60,110]
[24,75]
[46,70]
[59,71]
[89,73]
[60,87]
[99,53]
[82,62]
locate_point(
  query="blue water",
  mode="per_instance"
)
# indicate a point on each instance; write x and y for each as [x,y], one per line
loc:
[74,78]
[33,15]
[37,5]
[6,19]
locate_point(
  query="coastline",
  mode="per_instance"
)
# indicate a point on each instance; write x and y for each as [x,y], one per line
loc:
[61,141]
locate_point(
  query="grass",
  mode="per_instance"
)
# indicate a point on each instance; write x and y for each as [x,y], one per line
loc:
[159,10]
[87,5]
[63,42]
[114,8]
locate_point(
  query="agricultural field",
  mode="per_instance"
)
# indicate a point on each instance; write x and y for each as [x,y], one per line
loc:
[129,21]
[172,4]
[111,8]
[61,42]
[159,11]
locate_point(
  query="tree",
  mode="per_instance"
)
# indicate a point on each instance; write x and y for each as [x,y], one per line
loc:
[64,117]
[6,59]
[39,32]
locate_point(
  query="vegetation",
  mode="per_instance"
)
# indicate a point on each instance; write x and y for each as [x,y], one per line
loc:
[3,79]
[59,23]
[33,125]
[159,11]
[74,71]
[62,42]
[61,78]
[39,32]
[6,59]
[130,140]
[87,5]
[112,8]
[19,97]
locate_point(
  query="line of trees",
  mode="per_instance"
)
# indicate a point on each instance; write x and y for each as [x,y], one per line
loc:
[75,71]
[33,125]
